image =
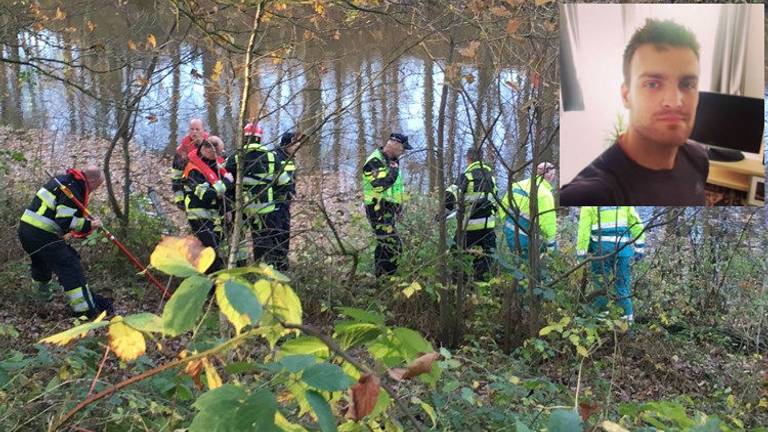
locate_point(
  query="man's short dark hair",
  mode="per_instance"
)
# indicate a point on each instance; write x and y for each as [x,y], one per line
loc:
[474,154]
[659,33]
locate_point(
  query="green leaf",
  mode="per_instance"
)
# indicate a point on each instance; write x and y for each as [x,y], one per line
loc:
[564,421]
[309,345]
[184,307]
[241,367]
[427,409]
[227,393]
[238,302]
[326,376]
[145,321]
[362,315]
[322,409]
[412,344]
[257,412]
[297,363]
[521,427]
[350,334]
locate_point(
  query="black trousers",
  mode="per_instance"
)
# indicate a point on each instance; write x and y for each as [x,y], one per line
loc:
[389,246]
[209,235]
[278,226]
[483,242]
[50,255]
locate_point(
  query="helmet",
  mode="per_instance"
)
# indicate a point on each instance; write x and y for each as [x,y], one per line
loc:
[253,130]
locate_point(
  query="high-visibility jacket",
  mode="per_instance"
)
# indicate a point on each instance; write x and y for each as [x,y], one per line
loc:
[515,208]
[381,182]
[258,178]
[608,229]
[178,165]
[205,187]
[476,188]
[54,212]
[285,186]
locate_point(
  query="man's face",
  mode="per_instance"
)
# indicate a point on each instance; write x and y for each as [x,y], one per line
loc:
[208,151]
[662,93]
[196,130]
[394,149]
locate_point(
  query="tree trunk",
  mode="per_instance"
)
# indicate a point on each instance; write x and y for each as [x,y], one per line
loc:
[211,90]
[173,122]
[429,122]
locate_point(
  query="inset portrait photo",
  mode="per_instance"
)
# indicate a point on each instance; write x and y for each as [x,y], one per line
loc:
[662,105]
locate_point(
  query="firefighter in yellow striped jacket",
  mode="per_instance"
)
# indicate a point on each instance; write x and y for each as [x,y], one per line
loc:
[382,196]
[43,225]
[515,208]
[617,234]
[476,191]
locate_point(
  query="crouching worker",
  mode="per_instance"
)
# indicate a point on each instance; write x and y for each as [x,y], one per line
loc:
[205,184]
[49,217]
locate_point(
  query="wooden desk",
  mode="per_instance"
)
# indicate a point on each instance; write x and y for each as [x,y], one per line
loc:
[735,175]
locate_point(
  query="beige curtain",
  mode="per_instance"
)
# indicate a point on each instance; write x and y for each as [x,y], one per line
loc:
[729,57]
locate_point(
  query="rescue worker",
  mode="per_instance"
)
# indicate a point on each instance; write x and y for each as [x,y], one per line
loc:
[279,221]
[258,178]
[514,212]
[46,221]
[609,232]
[382,196]
[476,191]
[205,183]
[189,143]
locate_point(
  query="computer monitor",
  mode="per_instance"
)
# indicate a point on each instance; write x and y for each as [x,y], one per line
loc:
[729,125]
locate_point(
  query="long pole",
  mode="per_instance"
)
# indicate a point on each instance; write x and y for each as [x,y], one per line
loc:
[135,261]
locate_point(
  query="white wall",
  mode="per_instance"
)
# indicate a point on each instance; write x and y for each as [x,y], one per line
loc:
[603,32]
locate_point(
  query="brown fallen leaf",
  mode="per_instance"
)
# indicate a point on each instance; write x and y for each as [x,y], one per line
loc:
[363,396]
[586,409]
[193,369]
[417,367]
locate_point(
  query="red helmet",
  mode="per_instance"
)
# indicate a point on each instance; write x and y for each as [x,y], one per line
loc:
[253,130]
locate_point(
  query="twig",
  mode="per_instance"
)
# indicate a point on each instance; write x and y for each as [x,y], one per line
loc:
[98,372]
[152,372]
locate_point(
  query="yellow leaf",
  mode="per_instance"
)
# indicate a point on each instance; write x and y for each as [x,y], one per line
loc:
[237,319]
[319,8]
[731,401]
[132,45]
[90,26]
[280,304]
[469,78]
[283,424]
[67,336]
[60,14]
[514,380]
[151,41]
[610,426]
[411,289]
[218,68]
[213,378]
[546,330]
[542,2]
[763,403]
[582,351]
[182,257]
[127,343]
